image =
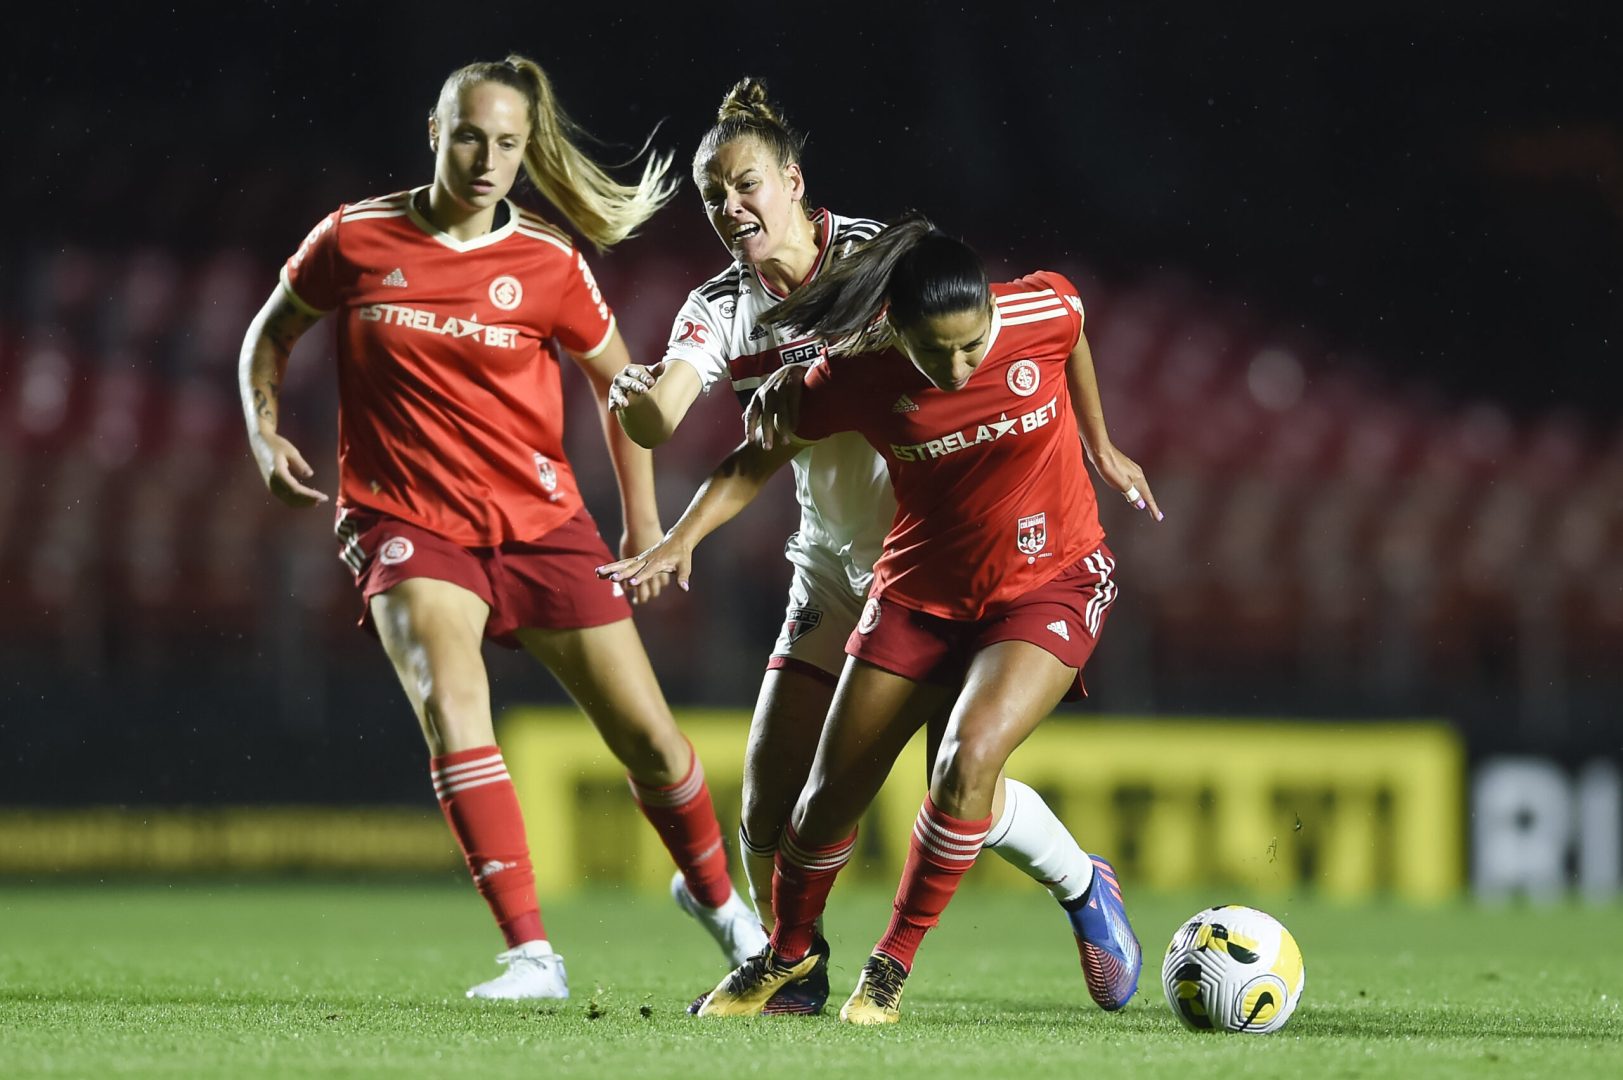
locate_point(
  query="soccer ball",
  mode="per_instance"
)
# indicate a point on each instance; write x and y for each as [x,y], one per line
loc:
[1233,968]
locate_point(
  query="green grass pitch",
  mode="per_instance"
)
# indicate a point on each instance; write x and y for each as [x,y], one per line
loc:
[321,979]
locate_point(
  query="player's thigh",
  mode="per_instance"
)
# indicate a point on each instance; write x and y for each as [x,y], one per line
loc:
[432,632]
[873,715]
[784,731]
[606,671]
[1010,688]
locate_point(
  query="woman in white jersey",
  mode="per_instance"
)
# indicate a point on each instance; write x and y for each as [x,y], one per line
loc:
[748,172]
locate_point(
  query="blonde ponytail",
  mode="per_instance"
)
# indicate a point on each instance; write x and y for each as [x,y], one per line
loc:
[601,209]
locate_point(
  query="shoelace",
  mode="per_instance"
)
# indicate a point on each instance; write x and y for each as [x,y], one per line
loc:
[751,972]
[885,980]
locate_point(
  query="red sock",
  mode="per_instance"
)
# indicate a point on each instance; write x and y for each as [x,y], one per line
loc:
[804,875]
[481,807]
[686,822]
[942,849]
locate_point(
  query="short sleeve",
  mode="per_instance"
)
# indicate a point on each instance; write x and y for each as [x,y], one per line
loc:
[824,409]
[697,341]
[1073,305]
[310,274]
[584,322]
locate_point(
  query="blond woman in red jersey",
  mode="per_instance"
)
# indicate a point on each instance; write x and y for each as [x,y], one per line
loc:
[990,595]
[457,510]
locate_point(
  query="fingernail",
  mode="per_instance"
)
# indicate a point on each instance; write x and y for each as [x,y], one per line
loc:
[684,585]
[1141,504]
[1160,516]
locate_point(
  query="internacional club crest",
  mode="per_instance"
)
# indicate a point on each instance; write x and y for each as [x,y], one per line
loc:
[870,616]
[1031,534]
[1024,377]
[546,473]
[506,292]
[395,550]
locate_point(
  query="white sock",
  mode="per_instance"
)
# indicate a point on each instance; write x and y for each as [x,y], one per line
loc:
[1030,838]
[758,867]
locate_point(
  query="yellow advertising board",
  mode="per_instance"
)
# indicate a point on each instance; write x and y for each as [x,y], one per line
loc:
[1347,810]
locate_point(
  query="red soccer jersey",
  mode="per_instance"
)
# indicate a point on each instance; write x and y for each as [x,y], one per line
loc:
[994,497]
[450,407]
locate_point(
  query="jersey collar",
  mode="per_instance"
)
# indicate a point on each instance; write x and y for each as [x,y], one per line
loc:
[435,233]
[823,222]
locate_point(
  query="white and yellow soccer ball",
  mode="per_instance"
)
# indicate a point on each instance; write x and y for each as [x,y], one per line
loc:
[1233,968]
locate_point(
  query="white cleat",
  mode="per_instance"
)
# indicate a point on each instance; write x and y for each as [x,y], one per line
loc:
[533,971]
[734,924]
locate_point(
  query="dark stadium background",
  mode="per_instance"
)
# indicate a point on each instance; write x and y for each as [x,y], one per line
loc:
[1352,285]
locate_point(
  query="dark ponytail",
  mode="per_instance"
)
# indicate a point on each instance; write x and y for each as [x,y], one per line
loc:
[912,270]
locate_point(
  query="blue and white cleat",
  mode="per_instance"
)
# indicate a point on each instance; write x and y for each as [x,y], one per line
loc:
[1111,958]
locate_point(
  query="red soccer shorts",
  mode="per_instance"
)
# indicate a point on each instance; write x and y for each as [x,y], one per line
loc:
[1063,617]
[549,583]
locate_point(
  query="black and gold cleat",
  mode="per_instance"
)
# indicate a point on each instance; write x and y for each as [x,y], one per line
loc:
[878,996]
[754,983]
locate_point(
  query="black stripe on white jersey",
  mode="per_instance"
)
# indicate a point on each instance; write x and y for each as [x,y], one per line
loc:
[723,285]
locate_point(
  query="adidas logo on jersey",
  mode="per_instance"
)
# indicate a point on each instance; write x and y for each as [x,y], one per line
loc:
[395,278]
[1059,627]
[904,404]
[758,332]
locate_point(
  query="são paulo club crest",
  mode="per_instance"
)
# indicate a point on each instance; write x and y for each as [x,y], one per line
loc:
[1031,536]
[395,550]
[801,621]
[870,616]
[1024,377]
[506,292]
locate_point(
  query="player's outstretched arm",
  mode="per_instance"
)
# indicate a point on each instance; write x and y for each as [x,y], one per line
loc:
[650,401]
[1117,469]
[633,464]
[265,349]
[732,486]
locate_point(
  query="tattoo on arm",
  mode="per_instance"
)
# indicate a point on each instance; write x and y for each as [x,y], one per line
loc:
[264,401]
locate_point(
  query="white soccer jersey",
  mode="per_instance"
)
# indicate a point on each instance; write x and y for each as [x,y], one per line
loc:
[846,502]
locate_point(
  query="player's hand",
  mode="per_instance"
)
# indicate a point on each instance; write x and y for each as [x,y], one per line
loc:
[774,410]
[633,381]
[632,542]
[284,469]
[1122,473]
[671,556]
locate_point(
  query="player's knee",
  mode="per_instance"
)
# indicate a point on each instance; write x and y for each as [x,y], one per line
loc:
[763,823]
[966,771]
[456,717]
